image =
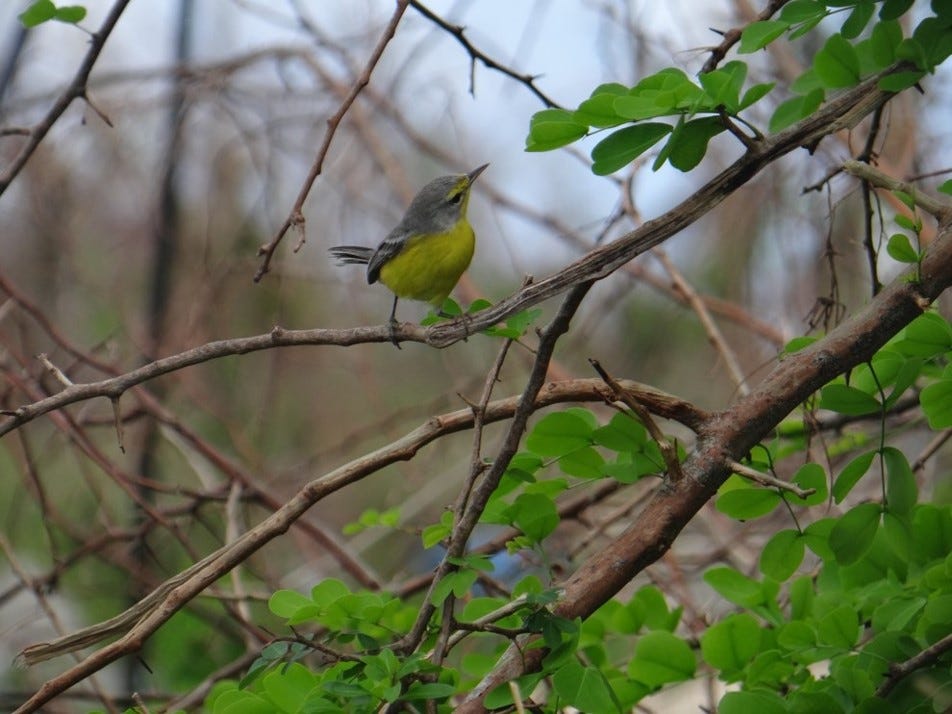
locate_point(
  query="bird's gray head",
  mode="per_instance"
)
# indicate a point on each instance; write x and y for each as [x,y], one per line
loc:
[441,203]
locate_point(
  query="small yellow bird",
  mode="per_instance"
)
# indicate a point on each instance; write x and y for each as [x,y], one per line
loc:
[430,248]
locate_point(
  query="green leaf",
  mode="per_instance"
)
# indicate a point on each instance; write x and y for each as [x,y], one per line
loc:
[850,474]
[328,591]
[625,145]
[837,64]
[734,586]
[797,344]
[755,94]
[70,14]
[884,40]
[583,463]
[806,83]
[419,691]
[747,503]
[798,11]
[935,39]
[936,401]
[796,636]
[817,537]
[901,490]
[37,13]
[599,109]
[795,109]
[926,336]
[688,143]
[559,433]
[858,19]
[946,187]
[660,657]
[723,85]
[853,534]
[534,515]
[731,644]
[649,609]
[801,598]
[624,433]
[895,614]
[759,702]
[458,583]
[660,94]
[758,35]
[899,248]
[810,476]
[905,221]
[848,400]
[287,688]
[899,81]
[782,555]
[285,603]
[898,532]
[584,688]
[839,627]
[894,9]
[436,532]
[501,696]
[516,325]
[552,128]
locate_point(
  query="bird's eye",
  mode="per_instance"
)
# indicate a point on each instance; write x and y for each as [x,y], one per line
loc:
[456,197]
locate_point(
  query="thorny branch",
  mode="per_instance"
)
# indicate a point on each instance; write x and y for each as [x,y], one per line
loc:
[75,90]
[296,218]
[843,111]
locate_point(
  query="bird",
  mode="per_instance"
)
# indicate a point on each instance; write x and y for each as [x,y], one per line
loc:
[428,251]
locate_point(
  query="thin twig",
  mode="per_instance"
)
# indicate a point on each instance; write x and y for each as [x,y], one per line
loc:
[937,208]
[668,452]
[768,480]
[296,217]
[732,36]
[481,494]
[713,332]
[899,670]
[477,466]
[75,90]
[183,586]
[459,33]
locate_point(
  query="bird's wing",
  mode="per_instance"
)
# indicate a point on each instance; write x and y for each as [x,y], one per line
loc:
[387,250]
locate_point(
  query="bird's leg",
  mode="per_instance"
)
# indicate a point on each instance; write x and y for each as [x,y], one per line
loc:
[393,323]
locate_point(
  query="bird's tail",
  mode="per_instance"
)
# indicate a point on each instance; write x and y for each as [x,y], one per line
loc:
[347,254]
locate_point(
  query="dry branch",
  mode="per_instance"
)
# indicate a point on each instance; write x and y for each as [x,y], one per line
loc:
[728,436]
[139,622]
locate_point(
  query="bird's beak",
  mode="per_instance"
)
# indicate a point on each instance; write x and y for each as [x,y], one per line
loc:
[476,172]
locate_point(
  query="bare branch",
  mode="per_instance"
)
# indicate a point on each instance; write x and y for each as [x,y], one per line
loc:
[459,33]
[75,90]
[727,437]
[768,480]
[940,210]
[296,218]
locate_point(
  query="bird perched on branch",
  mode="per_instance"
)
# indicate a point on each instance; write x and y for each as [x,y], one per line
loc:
[430,248]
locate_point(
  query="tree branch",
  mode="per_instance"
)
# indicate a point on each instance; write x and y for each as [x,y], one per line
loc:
[459,33]
[728,436]
[136,624]
[296,218]
[76,89]
[844,111]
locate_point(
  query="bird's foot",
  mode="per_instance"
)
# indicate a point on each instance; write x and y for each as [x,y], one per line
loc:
[393,333]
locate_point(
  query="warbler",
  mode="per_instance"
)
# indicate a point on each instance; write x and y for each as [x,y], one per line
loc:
[430,248]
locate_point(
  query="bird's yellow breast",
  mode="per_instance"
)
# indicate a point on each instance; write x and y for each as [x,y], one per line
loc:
[430,265]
